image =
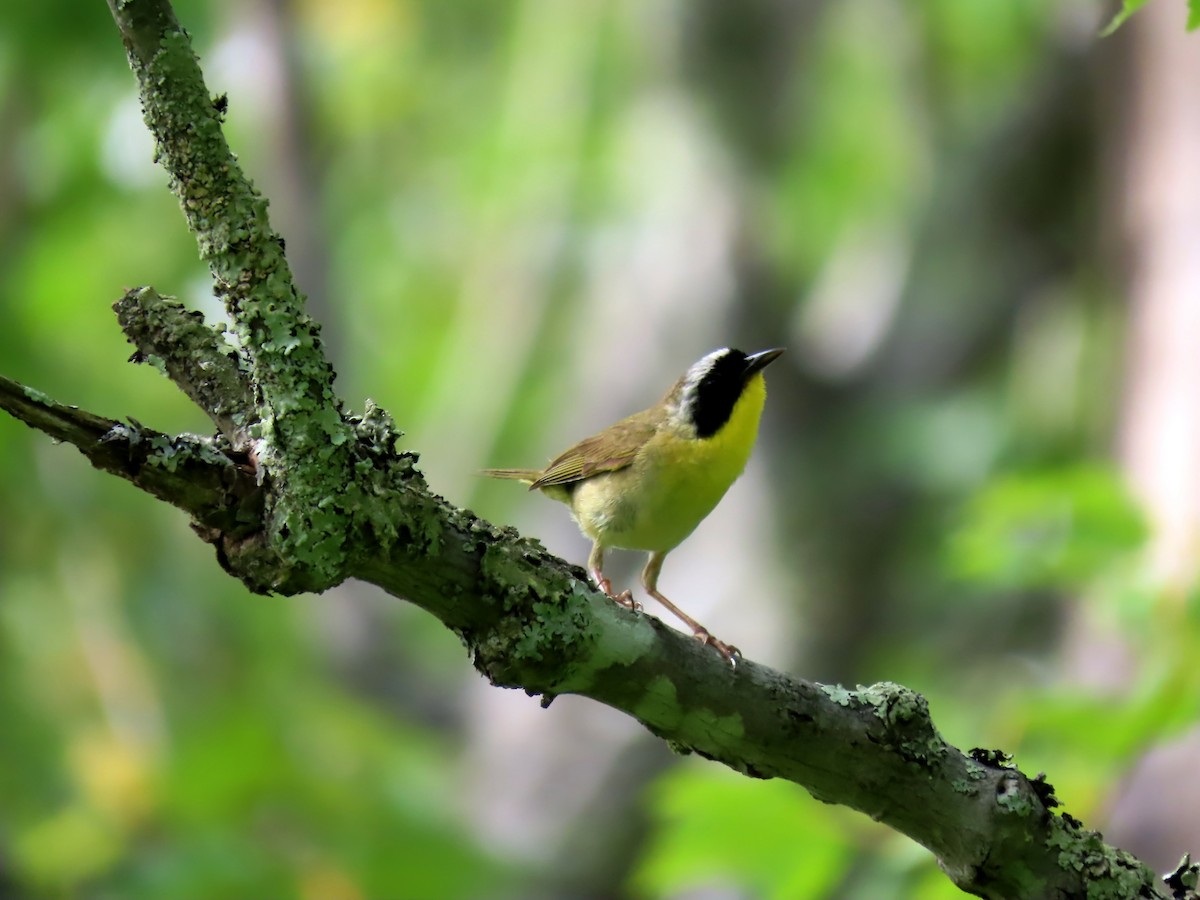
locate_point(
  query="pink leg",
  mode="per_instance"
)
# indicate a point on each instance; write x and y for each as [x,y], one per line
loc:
[595,564]
[650,583]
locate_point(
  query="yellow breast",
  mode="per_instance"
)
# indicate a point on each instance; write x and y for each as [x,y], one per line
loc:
[674,482]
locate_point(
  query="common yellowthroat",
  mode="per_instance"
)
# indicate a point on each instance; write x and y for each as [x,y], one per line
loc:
[647,481]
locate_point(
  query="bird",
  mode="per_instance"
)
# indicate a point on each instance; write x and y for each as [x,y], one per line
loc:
[646,482]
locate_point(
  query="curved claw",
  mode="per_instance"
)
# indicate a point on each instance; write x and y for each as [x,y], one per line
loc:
[625,599]
[730,653]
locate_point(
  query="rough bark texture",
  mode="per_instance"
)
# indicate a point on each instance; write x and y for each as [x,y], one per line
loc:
[297,495]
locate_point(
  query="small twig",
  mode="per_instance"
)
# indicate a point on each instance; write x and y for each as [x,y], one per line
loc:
[189,472]
[195,356]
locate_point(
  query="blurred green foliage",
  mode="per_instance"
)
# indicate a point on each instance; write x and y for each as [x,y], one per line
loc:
[1047,529]
[470,191]
[714,832]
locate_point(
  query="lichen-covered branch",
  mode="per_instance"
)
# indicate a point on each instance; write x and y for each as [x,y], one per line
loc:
[531,623]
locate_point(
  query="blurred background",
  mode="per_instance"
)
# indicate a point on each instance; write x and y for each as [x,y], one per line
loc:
[972,224]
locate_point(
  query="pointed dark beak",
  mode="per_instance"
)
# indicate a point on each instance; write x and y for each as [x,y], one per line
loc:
[760,361]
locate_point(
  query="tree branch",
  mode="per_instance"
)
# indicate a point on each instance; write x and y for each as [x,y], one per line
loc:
[194,356]
[528,620]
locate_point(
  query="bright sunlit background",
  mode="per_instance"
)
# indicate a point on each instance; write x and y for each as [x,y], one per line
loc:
[974,227]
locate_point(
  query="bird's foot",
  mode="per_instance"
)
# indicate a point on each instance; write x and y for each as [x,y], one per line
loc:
[625,598]
[731,653]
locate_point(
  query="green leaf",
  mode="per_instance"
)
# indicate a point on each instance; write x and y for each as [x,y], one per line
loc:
[1193,21]
[1129,7]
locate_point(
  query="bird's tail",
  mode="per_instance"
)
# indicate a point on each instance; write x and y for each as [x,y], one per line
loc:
[526,476]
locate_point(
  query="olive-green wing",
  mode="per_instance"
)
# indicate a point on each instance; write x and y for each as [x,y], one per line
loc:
[610,450]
